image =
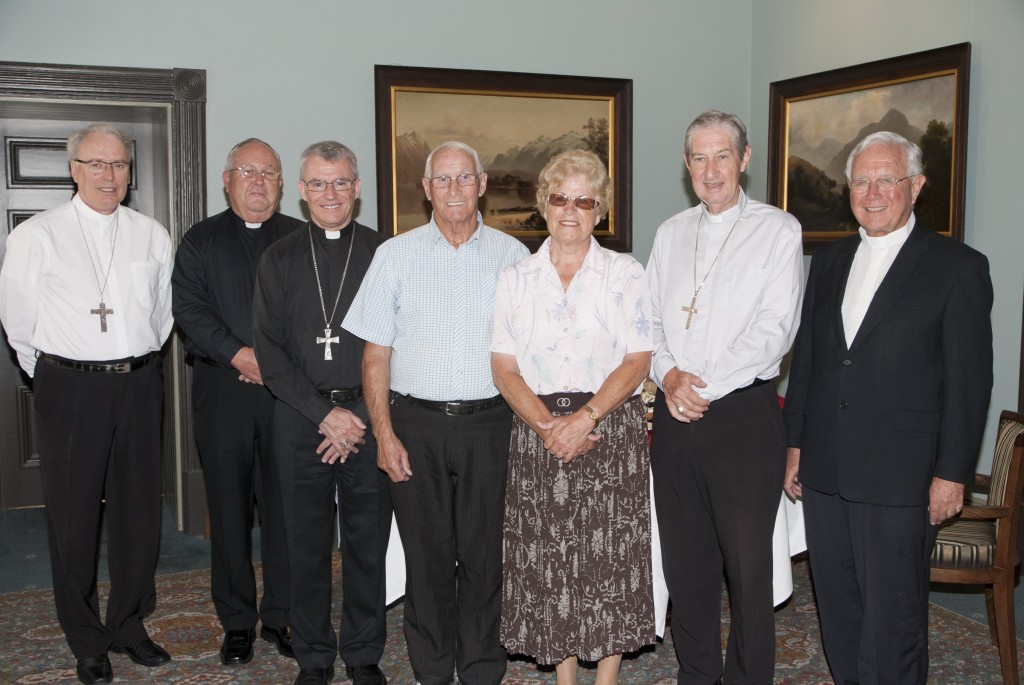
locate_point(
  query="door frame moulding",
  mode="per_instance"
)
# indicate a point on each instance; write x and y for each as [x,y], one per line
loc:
[183,93]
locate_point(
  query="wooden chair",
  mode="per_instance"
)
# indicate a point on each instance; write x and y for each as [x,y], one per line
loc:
[980,546]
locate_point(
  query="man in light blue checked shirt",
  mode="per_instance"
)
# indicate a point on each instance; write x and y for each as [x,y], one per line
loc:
[442,429]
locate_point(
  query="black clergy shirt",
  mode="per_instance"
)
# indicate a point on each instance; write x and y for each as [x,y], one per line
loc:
[213,281]
[287,318]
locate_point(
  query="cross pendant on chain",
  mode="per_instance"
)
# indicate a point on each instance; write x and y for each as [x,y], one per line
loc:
[326,342]
[692,309]
[102,311]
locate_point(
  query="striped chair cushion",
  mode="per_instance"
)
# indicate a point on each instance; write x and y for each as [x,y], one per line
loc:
[965,544]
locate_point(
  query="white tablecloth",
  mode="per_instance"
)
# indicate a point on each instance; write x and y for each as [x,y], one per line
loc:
[787,540]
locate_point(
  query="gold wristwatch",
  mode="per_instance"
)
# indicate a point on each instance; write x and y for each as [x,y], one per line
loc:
[592,413]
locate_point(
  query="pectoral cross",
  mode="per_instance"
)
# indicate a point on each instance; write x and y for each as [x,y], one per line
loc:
[692,309]
[102,311]
[326,342]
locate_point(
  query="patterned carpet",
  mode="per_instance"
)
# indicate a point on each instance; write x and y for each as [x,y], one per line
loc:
[33,649]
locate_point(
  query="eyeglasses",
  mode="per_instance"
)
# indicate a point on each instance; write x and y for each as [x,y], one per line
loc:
[860,186]
[561,200]
[250,171]
[461,179]
[96,166]
[318,186]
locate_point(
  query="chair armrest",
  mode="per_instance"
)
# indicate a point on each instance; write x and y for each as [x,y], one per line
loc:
[985,513]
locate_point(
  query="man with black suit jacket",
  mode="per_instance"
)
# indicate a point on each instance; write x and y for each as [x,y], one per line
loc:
[888,393]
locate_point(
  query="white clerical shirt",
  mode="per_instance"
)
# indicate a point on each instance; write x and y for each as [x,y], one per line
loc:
[749,307]
[871,263]
[48,285]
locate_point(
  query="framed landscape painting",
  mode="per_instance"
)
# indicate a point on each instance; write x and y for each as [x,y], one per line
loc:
[516,122]
[816,120]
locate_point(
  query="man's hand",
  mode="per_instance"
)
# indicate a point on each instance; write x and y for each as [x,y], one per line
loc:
[791,483]
[945,500]
[682,399]
[569,437]
[393,459]
[342,431]
[248,368]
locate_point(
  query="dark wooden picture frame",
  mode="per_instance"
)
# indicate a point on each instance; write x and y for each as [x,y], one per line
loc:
[931,86]
[462,97]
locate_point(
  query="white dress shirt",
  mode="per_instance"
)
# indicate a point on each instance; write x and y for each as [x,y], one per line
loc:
[48,285]
[871,263]
[749,307]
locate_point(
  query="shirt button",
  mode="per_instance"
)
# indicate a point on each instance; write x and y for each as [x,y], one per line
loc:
[565,387]
[847,362]
[843,405]
[565,359]
[565,330]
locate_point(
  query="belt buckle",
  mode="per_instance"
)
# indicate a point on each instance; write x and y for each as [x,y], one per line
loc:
[123,367]
[450,407]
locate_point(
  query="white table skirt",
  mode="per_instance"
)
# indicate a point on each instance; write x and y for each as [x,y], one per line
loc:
[787,540]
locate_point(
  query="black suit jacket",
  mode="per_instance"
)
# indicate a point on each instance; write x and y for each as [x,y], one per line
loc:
[907,400]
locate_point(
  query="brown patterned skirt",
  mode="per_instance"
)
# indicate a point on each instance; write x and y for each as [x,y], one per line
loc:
[577,543]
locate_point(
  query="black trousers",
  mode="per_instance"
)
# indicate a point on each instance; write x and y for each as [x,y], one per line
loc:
[450,516]
[99,437]
[871,577]
[717,487]
[234,433]
[309,489]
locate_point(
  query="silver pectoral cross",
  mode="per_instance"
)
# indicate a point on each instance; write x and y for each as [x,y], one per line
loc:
[102,311]
[326,342]
[692,309]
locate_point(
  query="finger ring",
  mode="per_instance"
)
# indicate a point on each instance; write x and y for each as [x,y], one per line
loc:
[680,409]
[344,443]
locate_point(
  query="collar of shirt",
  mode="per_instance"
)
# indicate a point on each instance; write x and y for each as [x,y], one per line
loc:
[440,241]
[728,215]
[87,213]
[894,239]
[596,260]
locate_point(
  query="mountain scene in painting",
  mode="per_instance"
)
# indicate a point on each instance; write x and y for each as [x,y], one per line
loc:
[816,185]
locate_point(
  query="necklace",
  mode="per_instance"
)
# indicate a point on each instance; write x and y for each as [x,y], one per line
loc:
[692,309]
[102,310]
[327,340]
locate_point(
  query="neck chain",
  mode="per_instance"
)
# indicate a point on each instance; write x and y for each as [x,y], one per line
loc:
[692,309]
[327,340]
[102,310]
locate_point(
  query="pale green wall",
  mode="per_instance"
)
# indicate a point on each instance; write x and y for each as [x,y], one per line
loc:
[798,37]
[294,73]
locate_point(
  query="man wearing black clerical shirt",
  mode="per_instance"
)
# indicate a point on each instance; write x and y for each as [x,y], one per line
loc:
[325,451]
[213,280]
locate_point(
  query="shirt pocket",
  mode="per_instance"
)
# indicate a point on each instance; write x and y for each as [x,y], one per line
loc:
[144,282]
[743,287]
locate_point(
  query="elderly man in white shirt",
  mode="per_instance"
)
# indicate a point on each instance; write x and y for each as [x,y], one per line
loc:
[726,279]
[85,300]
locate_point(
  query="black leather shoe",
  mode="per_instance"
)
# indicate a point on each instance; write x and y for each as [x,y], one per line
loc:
[95,669]
[279,637]
[366,675]
[236,649]
[315,676]
[146,653]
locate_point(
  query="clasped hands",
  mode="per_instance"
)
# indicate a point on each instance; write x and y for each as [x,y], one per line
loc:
[342,431]
[684,404]
[568,438]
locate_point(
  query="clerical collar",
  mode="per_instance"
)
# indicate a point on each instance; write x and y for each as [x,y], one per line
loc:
[89,214]
[892,239]
[331,235]
[250,224]
[728,215]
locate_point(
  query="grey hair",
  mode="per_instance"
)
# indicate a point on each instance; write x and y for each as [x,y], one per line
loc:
[332,151]
[75,139]
[453,145]
[716,117]
[911,152]
[229,164]
[572,163]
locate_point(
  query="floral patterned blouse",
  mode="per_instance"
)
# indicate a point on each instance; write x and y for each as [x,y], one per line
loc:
[571,340]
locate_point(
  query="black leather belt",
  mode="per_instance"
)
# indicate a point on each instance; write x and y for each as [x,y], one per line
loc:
[343,394]
[757,382]
[456,408]
[216,364]
[126,365]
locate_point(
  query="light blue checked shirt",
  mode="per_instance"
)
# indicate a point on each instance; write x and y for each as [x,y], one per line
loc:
[432,305]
